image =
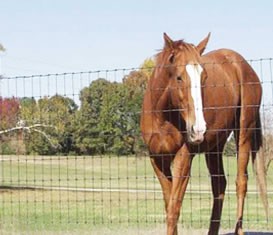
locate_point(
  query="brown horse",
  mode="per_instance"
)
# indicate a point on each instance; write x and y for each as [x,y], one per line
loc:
[192,104]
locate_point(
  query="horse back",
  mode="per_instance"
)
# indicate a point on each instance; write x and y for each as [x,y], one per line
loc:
[231,94]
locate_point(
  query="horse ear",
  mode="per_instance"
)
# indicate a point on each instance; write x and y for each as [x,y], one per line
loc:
[168,41]
[202,45]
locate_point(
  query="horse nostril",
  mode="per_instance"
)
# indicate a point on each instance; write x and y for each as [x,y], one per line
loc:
[192,132]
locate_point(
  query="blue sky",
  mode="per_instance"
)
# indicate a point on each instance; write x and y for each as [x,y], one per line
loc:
[54,36]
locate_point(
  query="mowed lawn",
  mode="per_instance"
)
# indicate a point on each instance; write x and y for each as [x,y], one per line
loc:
[110,195]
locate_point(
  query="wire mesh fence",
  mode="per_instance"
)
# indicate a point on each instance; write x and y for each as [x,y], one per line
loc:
[72,159]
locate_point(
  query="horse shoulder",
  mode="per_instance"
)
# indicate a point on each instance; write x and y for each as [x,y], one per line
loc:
[160,135]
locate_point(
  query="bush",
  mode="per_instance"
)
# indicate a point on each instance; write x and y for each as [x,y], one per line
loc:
[6,149]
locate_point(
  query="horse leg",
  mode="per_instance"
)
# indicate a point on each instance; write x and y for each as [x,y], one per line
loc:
[162,168]
[243,136]
[241,182]
[181,174]
[214,160]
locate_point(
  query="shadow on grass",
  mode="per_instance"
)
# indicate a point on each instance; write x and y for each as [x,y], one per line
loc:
[252,233]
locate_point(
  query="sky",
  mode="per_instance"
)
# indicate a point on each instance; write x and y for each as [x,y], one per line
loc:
[55,36]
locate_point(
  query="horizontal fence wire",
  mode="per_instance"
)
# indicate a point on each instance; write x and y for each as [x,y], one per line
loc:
[73,159]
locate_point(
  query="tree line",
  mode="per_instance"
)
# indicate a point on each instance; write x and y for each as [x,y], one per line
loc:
[106,121]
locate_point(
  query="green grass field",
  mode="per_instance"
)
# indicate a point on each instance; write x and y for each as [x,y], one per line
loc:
[110,195]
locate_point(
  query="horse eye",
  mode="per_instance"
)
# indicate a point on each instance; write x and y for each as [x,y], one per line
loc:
[179,78]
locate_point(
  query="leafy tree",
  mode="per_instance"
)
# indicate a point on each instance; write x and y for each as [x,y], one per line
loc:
[137,80]
[135,84]
[9,109]
[87,134]
[114,120]
[55,114]
[29,110]
[108,120]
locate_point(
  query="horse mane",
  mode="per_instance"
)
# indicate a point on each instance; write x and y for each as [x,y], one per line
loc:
[160,57]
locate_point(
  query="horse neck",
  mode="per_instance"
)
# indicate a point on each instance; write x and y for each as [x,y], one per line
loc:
[155,99]
[157,84]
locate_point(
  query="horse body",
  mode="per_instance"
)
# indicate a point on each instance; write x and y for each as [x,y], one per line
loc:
[231,91]
[173,129]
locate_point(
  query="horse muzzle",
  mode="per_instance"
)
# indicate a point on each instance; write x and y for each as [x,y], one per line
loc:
[196,135]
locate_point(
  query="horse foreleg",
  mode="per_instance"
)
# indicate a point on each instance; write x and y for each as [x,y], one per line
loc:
[214,162]
[241,182]
[162,168]
[181,174]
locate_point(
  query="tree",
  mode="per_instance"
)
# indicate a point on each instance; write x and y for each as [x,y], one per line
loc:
[63,112]
[9,110]
[53,116]
[115,121]
[108,120]
[135,84]
[137,80]
[87,134]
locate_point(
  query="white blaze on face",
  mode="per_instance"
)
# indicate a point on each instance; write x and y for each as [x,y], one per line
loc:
[194,71]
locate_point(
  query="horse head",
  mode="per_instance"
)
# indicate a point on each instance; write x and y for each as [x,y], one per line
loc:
[185,75]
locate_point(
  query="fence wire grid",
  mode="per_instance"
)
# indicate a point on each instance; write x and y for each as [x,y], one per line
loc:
[73,160]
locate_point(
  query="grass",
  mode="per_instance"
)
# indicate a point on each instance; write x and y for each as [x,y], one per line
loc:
[134,204]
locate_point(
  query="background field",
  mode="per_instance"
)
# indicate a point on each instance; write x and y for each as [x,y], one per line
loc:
[109,195]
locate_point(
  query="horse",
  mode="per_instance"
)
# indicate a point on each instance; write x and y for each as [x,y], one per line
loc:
[192,104]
